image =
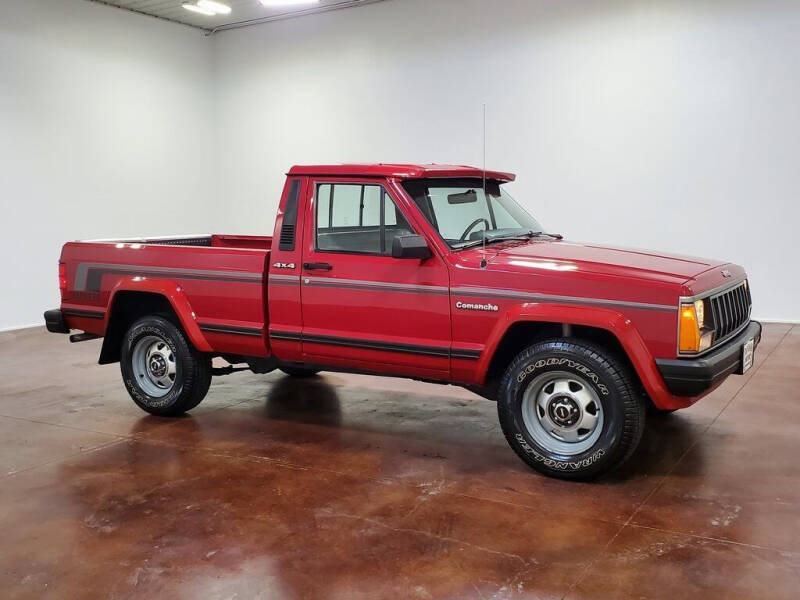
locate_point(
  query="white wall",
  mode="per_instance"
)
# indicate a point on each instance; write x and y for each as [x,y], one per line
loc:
[105,130]
[661,124]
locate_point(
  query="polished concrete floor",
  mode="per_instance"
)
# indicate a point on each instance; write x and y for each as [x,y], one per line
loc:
[359,487]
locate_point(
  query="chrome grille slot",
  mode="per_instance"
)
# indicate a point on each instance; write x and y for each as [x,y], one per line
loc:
[730,310]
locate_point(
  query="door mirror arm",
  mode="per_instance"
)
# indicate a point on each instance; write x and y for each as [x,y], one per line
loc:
[410,246]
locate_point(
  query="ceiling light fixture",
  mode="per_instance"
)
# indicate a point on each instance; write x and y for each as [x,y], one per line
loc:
[199,9]
[217,7]
[271,3]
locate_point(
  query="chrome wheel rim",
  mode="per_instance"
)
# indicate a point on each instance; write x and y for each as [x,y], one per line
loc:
[153,364]
[562,413]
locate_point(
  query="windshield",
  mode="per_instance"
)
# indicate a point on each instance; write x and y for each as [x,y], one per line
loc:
[465,216]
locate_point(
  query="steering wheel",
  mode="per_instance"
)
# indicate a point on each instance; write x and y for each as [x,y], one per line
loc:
[472,226]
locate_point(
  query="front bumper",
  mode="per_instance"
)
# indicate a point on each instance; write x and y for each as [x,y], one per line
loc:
[54,320]
[693,377]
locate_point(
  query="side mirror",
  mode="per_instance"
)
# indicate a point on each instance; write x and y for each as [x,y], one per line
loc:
[410,246]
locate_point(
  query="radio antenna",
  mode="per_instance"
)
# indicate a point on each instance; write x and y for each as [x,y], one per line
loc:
[485,197]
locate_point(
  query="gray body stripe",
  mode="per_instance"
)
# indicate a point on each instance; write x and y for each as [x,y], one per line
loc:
[479,292]
[367,344]
[84,269]
[537,297]
[230,329]
[284,279]
[88,313]
[383,286]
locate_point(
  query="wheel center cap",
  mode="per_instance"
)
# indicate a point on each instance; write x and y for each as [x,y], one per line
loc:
[564,411]
[157,366]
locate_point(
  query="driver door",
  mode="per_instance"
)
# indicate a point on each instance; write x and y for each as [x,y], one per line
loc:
[362,308]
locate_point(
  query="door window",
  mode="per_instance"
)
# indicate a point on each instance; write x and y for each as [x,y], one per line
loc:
[358,218]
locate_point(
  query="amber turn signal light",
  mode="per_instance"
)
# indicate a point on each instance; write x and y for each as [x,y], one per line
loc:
[689,340]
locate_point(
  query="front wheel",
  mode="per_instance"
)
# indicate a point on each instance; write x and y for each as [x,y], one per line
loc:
[162,372]
[570,409]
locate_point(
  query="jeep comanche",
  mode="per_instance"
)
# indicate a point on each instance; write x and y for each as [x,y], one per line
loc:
[430,272]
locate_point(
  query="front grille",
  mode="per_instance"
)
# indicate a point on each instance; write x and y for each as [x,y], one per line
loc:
[730,310]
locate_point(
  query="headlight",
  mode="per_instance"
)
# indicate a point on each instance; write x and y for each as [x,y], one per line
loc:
[693,335]
[699,310]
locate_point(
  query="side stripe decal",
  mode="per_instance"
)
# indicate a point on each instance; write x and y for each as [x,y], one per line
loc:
[89,314]
[378,286]
[373,345]
[442,351]
[538,297]
[285,335]
[232,329]
[283,279]
[382,286]
[465,354]
[88,276]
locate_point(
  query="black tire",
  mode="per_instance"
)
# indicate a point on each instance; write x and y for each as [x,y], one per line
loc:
[192,376]
[611,382]
[300,372]
[658,413]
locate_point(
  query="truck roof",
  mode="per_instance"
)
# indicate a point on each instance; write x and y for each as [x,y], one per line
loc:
[401,171]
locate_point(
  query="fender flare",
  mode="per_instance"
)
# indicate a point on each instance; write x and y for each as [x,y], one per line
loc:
[620,326]
[174,294]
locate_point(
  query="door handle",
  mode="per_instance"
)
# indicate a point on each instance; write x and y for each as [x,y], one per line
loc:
[318,266]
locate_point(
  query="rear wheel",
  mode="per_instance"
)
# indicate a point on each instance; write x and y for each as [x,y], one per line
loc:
[570,409]
[162,372]
[299,371]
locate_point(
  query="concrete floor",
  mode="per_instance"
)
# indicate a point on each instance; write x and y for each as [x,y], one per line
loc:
[360,487]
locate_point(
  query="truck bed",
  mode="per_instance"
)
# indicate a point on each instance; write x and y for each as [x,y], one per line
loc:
[218,279]
[214,240]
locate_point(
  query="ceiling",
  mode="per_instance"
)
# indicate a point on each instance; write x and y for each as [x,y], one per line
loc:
[243,13]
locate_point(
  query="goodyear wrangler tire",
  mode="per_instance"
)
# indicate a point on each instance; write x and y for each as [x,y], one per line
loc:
[162,372]
[570,409]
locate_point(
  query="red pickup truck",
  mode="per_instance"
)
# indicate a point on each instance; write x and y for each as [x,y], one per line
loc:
[431,272]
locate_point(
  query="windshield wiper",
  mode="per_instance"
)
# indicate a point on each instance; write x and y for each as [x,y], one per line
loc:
[488,239]
[522,235]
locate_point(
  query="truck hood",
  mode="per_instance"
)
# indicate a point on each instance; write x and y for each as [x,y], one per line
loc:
[546,255]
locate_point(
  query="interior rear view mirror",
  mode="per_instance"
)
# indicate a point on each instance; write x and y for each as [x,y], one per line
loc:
[410,246]
[463,197]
